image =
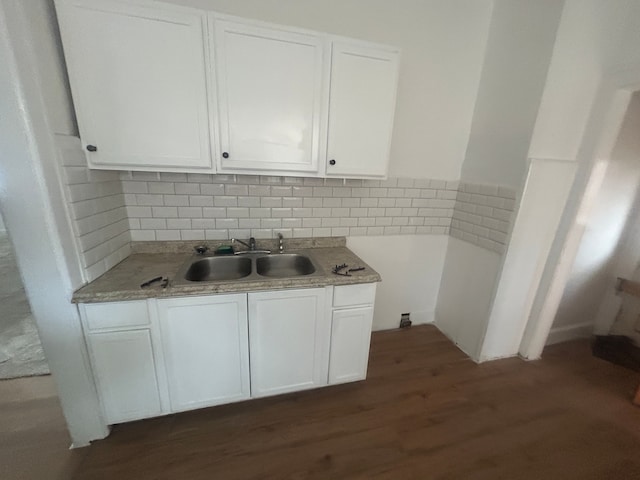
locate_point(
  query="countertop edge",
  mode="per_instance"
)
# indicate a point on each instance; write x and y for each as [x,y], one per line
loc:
[105,294]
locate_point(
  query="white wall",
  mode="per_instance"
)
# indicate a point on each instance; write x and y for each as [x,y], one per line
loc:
[547,185]
[594,59]
[594,37]
[519,47]
[33,208]
[466,291]
[592,272]
[48,48]
[442,46]
[411,268]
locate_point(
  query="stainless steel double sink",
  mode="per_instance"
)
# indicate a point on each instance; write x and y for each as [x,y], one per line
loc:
[246,267]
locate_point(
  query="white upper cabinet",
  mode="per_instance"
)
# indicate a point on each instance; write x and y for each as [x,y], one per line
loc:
[361,109]
[160,87]
[270,97]
[138,78]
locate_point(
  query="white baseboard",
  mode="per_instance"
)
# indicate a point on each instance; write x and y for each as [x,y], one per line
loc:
[570,332]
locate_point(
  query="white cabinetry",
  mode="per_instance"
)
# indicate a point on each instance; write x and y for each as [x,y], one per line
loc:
[270,92]
[205,349]
[139,84]
[155,84]
[156,356]
[351,332]
[361,109]
[120,347]
[289,334]
[350,337]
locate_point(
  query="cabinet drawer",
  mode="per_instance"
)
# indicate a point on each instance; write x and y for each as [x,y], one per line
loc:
[349,295]
[101,316]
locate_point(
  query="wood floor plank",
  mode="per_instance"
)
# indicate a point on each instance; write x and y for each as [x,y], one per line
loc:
[426,412]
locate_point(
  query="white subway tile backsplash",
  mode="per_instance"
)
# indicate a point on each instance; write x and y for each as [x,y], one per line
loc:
[173,177]
[187,188]
[281,212]
[164,212]
[225,201]
[330,222]
[292,202]
[201,201]
[291,223]
[217,234]
[191,234]
[176,200]
[97,204]
[190,212]
[248,201]
[236,190]
[228,205]
[278,191]
[331,202]
[149,200]
[203,223]
[302,232]
[142,235]
[162,187]
[271,202]
[153,224]
[179,223]
[212,189]
[311,222]
[167,235]
[302,191]
[482,215]
[202,178]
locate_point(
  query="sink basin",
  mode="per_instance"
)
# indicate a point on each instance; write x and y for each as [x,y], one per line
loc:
[284,265]
[218,268]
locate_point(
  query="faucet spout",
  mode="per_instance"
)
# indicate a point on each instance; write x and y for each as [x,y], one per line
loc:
[240,241]
[251,245]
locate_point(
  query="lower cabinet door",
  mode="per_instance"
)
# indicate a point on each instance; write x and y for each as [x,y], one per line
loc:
[289,334]
[125,374]
[205,350]
[350,339]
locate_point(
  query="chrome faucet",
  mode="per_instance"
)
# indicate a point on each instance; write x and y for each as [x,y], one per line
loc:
[280,243]
[251,246]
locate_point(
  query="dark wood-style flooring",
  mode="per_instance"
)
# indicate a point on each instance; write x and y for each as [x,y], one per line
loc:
[425,412]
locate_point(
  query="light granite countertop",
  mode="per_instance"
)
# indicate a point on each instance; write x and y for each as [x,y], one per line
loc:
[155,259]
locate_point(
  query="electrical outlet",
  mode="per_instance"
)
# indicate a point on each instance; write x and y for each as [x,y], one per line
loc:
[405,320]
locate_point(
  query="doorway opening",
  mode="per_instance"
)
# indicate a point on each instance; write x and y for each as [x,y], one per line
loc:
[21,353]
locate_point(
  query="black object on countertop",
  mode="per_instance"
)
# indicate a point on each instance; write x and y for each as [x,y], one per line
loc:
[338,270]
[153,280]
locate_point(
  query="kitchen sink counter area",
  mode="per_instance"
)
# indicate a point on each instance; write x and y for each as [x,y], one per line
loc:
[150,260]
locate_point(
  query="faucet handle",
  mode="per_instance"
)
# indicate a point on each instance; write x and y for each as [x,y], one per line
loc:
[201,249]
[280,242]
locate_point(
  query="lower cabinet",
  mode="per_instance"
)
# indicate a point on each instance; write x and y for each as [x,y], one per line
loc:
[125,374]
[157,356]
[289,335]
[350,338]
[206,352]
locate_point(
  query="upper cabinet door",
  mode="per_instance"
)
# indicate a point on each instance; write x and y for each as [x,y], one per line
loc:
[270,89]
[139,84]
[361,108]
